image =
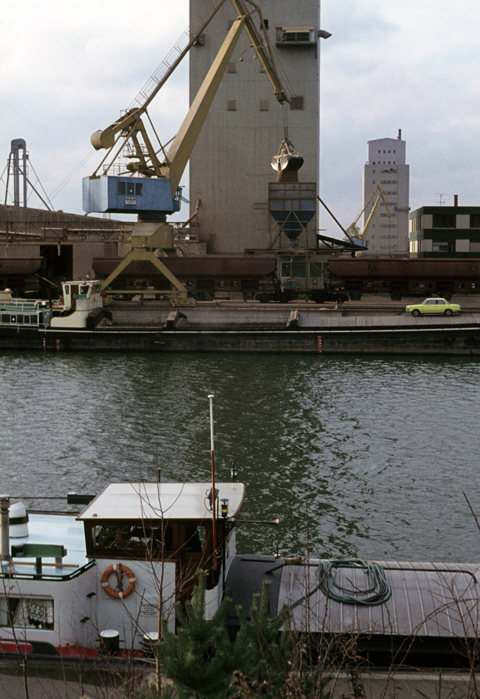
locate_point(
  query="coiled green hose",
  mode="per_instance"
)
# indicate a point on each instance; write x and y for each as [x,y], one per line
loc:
[377,592]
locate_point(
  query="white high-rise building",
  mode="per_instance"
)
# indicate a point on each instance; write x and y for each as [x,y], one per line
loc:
[230,167]
[386,167]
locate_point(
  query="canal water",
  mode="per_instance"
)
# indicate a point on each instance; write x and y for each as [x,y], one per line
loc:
[368,457]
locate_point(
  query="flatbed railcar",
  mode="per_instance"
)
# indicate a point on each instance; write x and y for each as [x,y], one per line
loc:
[404,277]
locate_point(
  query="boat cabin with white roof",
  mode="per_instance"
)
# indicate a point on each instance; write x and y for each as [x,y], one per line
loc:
[116,568]
[80,306]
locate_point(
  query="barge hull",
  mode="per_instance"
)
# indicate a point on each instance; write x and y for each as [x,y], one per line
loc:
[460,340]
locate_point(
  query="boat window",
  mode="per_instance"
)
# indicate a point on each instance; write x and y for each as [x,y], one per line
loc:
[27,612]
[194,538]
[136,538]
[5,317]
[111,537]
[159,538]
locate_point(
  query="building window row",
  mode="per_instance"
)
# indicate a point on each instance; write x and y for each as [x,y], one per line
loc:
[474,220]
[444,221]
[443,246]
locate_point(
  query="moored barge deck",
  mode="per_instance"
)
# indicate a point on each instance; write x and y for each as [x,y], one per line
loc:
[226,327]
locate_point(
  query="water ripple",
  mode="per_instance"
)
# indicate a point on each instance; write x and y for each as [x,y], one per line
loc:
[366,457]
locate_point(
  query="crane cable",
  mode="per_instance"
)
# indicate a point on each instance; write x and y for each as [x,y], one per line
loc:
[67,178]
[378,592]
[41,185]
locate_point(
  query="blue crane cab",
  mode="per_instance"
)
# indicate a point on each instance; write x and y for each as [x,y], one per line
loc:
[120,195]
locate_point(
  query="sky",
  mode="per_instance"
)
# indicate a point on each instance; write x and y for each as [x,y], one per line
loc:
[69,68]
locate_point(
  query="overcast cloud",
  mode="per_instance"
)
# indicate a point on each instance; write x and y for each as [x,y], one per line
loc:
[68,68]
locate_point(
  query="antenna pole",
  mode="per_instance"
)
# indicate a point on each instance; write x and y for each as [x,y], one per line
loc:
[212,450]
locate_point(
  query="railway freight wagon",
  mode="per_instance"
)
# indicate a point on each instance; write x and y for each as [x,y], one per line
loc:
[216,277]
[204,277]
[403,277]
[20,274]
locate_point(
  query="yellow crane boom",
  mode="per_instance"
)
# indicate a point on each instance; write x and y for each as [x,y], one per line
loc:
[353,231]
[153,232]
[130,126]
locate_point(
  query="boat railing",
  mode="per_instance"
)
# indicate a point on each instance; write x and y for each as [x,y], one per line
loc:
[22,305]
[16,316]
[60,573]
